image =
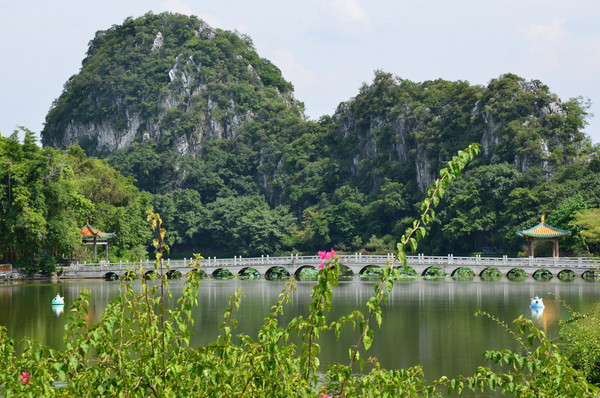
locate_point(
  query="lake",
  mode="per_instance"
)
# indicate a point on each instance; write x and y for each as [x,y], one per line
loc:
[431,323]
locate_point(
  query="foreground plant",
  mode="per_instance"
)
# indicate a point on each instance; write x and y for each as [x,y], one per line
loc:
[139,348]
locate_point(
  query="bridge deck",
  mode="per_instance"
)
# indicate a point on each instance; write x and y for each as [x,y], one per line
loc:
[355,262]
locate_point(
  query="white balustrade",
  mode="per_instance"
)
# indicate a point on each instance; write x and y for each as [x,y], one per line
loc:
[363,259]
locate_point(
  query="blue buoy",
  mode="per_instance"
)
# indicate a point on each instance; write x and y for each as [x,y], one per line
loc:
[58,300]
[536,303]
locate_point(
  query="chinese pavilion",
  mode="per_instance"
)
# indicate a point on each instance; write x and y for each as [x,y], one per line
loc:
[543,231]
[93,236]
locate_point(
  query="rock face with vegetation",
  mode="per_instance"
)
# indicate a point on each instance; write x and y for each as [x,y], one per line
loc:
[214,134]
[164,78]
[421,124]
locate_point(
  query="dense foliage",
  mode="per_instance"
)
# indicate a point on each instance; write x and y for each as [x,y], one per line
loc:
[195,115]
[580,341]
[140,347]
[47,195]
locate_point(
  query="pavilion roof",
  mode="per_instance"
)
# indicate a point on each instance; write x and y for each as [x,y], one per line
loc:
[90,233]
[543,230]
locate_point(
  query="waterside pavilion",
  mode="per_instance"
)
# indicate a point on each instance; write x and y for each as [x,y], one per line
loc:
[543,231]
[93,236]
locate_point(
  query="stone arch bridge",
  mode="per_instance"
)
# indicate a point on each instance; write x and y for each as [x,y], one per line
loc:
[355,263]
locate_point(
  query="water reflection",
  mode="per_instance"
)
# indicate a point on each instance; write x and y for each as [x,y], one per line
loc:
[58,309]
[536,313]
[425,322]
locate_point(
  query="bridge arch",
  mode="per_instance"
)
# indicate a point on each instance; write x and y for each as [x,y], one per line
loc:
[174,274]
[346,271]
[298,272]
[222,273]
[567,275]
[249,273]
[277,272]
[111,276]
[201,272]
[490,274]
[517,274]
[407,272]
[130,276]
[434,271]
[463,273]
[363,271]
[591,275]
[542,275]
[150,274]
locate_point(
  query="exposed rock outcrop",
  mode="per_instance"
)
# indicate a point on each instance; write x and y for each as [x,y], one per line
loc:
[172,79]
[514,120]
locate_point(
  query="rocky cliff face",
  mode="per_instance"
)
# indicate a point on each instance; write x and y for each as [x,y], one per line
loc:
[156,92]
[423,124]
[164,78]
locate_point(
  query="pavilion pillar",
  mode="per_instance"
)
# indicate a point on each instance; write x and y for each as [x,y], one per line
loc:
[95,249]
[555,248]
[106,250]
[531,247]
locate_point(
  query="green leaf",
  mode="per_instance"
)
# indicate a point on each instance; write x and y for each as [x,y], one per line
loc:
[368,339]
[413,244]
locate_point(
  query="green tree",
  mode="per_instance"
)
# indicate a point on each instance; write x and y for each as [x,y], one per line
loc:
[474,214]
[244,225]
[587,224]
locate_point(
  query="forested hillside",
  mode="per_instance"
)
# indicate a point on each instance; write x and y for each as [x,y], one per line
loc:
[47,195]
[213,133]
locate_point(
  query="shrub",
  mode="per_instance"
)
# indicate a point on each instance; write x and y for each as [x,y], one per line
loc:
[435,273]
[543,275]
[517,275]
[567,275]
[406,273]
[580,338]
[48,265]
[463,274]
[491,274]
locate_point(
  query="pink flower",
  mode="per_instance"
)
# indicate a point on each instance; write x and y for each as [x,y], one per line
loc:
[24,377]
[325,395]
[323,255]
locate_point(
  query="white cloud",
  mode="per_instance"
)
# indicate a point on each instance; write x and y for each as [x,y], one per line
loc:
[349,10]
[555,48]
[176,6]
[547,43]
[212,20]
[292,70]
[590,59]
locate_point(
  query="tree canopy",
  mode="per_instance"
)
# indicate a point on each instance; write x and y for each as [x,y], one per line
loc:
[47,195]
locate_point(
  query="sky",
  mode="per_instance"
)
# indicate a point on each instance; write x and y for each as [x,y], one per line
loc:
[326,48]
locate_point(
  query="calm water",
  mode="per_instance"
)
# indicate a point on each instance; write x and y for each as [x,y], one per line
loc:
[427,323]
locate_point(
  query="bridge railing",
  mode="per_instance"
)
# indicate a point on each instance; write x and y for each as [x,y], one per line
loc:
[359,259]
[504,261]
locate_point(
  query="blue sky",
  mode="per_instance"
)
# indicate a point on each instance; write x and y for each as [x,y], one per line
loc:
[326,48]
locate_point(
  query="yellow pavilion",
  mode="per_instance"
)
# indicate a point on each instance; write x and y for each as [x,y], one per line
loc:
[543,231]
